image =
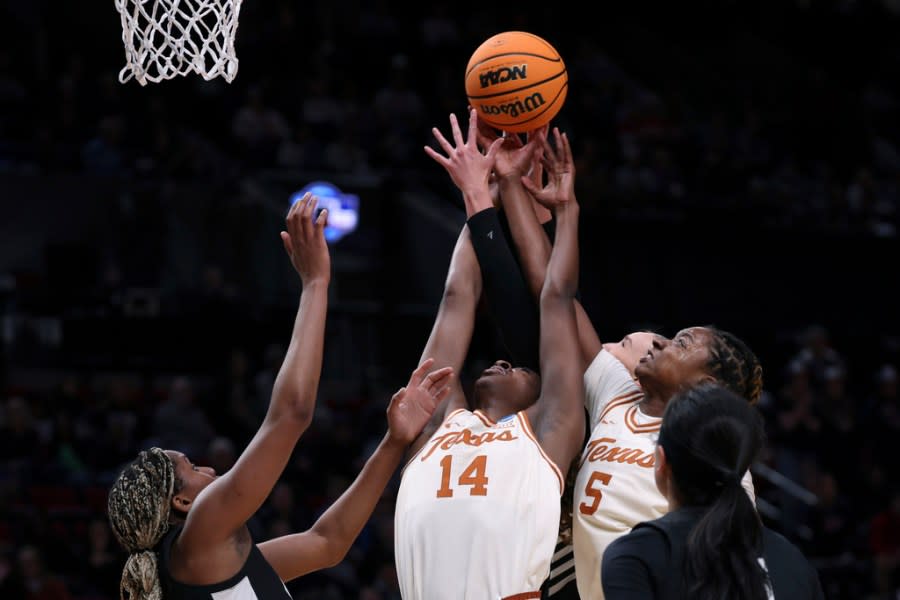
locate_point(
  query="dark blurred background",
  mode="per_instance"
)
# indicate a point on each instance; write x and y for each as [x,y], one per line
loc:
[738,165]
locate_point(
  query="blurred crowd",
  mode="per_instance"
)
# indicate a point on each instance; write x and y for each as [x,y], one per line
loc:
[741,120]
[785,112]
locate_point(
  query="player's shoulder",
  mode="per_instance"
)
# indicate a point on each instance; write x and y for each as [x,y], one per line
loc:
[642,537]
[605,366]
[647,545]
[776,545]
[793,575]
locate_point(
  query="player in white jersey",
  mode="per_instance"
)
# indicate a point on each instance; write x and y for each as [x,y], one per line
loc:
[477,512]
[614,489]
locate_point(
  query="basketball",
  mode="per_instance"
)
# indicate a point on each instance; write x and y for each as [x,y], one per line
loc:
[516,81]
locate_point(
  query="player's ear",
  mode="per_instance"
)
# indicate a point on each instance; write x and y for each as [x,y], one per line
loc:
[662,470]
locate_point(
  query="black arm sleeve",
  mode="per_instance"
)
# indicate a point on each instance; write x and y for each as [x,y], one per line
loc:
[512,307]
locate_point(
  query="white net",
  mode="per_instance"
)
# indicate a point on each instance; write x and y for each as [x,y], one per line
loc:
[168,38]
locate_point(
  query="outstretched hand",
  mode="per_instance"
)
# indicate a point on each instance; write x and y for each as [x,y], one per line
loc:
[560,171]
[304,240]
[413,405]
[514,156]
[469,168]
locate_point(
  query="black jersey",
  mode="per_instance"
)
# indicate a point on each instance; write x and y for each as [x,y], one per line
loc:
[256,580]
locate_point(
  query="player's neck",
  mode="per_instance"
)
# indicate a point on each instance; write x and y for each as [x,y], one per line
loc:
[652,406]
[495,409]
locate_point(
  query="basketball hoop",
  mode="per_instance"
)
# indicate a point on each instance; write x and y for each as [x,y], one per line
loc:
[169,38]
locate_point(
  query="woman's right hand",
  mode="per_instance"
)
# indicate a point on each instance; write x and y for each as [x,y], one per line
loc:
[559,167]
[304,240]
[514,156]
[469,168]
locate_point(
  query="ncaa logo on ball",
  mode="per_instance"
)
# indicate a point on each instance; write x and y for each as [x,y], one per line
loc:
[502,75]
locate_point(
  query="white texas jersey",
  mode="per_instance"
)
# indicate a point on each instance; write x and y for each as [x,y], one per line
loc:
[477,512]
[615,488]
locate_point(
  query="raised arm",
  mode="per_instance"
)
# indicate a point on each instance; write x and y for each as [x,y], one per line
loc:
[512,306]
[514,159]
[558,415]
[451,333]
[519,181]
[326,543]
[229,501]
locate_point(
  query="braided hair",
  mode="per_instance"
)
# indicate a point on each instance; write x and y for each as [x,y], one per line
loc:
[734,365]
[139,507]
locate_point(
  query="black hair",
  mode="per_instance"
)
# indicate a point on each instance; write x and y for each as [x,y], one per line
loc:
[734,365]
[711,436]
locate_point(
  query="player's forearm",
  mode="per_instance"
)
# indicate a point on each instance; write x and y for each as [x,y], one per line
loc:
[448,342]
[341,523]
[297,382]
[530,239]
[562,270]
[476,199]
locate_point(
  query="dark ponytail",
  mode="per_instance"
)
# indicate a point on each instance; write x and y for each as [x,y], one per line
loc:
[711,436]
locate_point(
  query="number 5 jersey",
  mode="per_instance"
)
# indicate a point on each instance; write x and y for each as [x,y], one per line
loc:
[615,488]
[477,513]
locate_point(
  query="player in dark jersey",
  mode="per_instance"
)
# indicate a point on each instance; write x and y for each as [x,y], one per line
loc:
[185,527]
[712,543]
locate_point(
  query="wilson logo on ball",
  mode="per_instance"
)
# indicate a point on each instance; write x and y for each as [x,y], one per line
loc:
[489,78]
[514,109]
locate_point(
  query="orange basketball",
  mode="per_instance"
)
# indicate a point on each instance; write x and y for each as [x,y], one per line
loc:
[517,81]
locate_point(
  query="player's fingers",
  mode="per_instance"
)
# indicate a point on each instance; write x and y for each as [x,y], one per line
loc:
[484,139]
[437,378]
[296,209]
[473,126]
[457,133]
[494,148]
[557,142]
[537,169]
[286,240]
[549,149]
[322,219]
[548,163]
[306,218]
[441,394]
[514,140]
[540,131]
[567,150]
[420,371]
[297,205]
[529,185]
[439,158]
[484,129]
[447,146]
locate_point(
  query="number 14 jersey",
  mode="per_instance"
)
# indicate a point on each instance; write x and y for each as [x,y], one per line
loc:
[477,512]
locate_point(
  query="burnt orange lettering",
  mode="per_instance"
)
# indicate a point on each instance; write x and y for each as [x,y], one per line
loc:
[603,450]
[451,438]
